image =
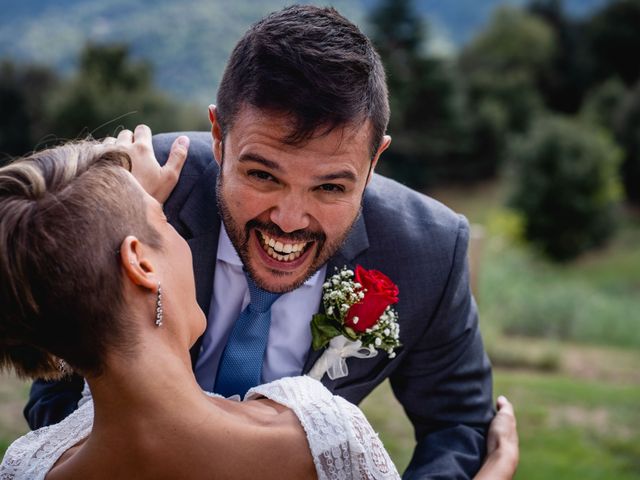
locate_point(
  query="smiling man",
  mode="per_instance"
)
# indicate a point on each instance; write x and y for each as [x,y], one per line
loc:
[281,193]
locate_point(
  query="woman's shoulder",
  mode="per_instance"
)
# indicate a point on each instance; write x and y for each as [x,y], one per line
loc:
[34,454]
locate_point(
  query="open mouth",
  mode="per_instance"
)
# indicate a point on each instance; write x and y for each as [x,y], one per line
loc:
[280,250]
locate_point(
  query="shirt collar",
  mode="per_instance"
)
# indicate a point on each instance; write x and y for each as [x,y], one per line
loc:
[228,254]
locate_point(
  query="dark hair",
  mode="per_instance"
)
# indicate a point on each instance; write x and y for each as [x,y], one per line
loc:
[312,64]
[63,214]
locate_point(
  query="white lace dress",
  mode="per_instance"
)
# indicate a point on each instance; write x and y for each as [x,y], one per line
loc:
[341,440]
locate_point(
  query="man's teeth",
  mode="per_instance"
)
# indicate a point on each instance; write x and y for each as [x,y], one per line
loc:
[283,252]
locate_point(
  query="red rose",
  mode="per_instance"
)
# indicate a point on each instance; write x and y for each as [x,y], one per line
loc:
[380,293]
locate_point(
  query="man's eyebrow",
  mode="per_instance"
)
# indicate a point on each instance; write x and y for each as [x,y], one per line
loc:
[254,157]
[341,175]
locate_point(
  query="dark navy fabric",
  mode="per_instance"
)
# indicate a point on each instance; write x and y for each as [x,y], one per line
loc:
[441,374]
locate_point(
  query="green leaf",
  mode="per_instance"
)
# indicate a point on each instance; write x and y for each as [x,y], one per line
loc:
[323,329]
[350,333]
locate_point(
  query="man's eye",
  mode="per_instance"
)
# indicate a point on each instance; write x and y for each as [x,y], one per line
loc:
[260,175]
[331,188]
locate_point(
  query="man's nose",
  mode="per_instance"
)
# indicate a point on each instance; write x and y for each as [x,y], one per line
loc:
[290,214]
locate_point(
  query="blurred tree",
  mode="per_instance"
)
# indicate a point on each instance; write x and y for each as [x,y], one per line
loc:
[612,34]
[602,103]
[111,90]
[627,130]
[23,91]
[429,122]
[565,184]
[502,63]
[500,67]
[564,80]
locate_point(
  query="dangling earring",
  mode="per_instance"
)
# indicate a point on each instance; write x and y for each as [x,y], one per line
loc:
[63,367]
[159,306]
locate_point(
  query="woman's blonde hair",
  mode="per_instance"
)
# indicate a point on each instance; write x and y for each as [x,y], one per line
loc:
[63,215]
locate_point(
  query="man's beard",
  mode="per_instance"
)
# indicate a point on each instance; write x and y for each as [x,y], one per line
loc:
[240,238]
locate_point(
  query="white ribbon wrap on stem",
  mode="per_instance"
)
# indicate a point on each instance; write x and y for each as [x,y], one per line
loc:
[333,363]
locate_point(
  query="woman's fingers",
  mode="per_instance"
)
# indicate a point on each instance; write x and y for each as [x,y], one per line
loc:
[503,452]
[142,133]
[505,406]
[171,171]
[178,155]
[125,137]
[502,431]
[159,181]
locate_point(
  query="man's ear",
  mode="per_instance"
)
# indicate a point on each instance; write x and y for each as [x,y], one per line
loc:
[384,144]
[216,133]
[137,264]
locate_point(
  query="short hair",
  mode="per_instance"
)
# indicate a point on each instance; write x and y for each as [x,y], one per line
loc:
[311,64]
[63,215]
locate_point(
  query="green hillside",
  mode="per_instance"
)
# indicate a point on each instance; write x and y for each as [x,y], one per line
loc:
[187,42]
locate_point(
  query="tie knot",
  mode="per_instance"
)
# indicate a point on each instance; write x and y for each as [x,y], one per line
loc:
[261,300]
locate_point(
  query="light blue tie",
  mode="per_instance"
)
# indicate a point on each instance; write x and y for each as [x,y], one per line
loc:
[241,363]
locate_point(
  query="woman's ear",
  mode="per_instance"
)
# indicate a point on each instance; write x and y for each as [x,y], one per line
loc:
[137,264]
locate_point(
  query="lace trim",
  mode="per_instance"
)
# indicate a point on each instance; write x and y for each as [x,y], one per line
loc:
[342,442]
[33,455]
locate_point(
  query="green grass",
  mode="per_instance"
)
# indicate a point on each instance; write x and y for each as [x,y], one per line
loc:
[595,299]
[13,396]
[571,428]
[523,295]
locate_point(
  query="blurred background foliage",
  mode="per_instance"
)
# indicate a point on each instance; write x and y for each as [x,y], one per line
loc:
[524,115]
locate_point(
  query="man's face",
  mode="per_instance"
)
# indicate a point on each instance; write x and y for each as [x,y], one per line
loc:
[287,209]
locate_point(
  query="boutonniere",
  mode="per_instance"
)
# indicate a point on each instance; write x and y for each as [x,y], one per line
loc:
[357,321]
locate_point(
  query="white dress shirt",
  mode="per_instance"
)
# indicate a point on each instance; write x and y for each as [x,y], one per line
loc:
[290,332]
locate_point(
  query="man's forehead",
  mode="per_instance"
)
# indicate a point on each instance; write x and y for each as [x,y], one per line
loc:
[251,123]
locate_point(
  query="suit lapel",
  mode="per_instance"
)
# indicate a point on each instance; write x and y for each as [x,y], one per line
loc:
[199,216]
[203,250]
[356,243]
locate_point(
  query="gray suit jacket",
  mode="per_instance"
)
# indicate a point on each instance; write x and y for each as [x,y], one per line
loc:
[441,374]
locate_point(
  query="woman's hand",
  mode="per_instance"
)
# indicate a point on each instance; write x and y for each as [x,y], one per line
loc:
[158,181]
[503,452]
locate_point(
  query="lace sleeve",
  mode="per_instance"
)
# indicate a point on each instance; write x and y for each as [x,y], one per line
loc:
[342,442]
[31,457]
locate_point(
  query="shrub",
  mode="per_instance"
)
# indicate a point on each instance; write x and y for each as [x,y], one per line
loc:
[602,103]
[627,130]
[565,184]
